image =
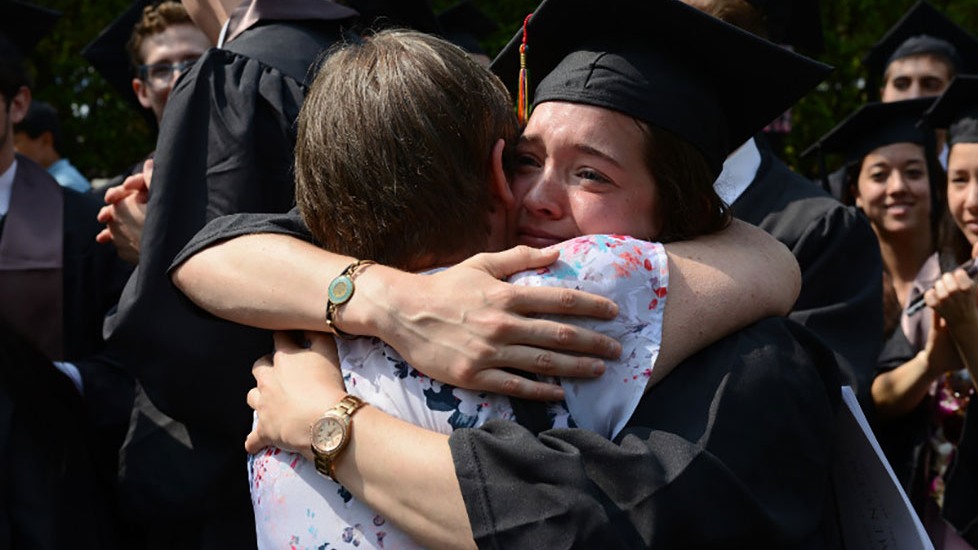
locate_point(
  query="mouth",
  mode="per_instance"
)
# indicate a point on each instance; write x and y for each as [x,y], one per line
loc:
[899,208]
[536,238]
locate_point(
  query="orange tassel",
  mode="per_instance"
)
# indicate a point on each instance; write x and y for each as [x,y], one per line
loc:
[523,95]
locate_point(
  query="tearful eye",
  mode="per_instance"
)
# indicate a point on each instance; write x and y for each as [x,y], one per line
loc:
[592,175]
[526,160]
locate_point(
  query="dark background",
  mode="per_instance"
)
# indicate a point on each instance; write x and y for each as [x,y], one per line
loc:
[104,135]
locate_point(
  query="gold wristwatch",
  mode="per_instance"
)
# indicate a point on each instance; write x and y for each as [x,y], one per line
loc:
[331,434]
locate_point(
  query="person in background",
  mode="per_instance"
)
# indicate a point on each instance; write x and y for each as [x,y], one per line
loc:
[952,512]
[56,285]
[895,179]
[38,137]
[163,43]
[917,57]
[920,55]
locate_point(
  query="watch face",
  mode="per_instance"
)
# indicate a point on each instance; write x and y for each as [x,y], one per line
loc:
[327,434]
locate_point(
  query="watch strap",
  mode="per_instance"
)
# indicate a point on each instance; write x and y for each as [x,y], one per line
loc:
[339,292]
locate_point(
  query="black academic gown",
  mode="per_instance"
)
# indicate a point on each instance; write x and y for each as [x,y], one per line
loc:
[225,145]
[48,484]
[59,448]
[841,297]
[731,450]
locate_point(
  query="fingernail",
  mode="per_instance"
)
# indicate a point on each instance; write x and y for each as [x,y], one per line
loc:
[599,368]
[556,394]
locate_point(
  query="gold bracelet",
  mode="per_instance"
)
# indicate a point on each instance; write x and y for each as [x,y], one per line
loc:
[339,292]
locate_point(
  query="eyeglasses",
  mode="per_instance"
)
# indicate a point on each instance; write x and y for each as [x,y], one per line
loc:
[161,75]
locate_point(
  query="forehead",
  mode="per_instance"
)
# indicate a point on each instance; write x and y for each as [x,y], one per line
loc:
[895,153]
[175,43]
[919,65]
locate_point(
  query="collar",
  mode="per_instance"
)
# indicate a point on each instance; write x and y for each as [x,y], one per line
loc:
[739,171]
[6,186]
[250,13]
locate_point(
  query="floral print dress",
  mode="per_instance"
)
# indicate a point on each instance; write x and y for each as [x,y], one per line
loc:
[295,507]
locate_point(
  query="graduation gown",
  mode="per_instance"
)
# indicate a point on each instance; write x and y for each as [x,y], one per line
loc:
[841,297]
[731,450]
[68,292]
[47,480]
[225,145]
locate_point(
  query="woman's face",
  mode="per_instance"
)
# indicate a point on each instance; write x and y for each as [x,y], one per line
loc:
[962,188]
[893,189]
[580,171]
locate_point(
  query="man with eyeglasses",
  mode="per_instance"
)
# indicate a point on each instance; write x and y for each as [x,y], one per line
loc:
[164,44]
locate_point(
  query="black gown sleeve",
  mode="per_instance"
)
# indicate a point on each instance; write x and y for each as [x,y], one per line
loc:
[842,293]
[225,146]
[238,225]
[732,449]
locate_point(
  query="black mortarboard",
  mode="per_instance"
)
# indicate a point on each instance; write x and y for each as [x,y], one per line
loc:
[662,62]
[24,24]
[464,25]
[874,125]
[797,23]
[957,110]
[413,14]
[924,30]
[110,57]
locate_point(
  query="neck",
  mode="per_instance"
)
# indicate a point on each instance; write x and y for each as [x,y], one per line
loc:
[903,258]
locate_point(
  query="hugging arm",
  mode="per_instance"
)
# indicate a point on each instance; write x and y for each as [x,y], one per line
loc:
[460,326]
[748,422]
[722,282]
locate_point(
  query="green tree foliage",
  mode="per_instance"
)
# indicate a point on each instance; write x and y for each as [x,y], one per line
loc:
[105,134]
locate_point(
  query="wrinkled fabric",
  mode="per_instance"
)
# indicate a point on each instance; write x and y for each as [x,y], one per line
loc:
[837,251]
[732,449]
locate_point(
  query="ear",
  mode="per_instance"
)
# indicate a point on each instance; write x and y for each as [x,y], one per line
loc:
[47,139]
[139,87]
[499,184]
[19,105]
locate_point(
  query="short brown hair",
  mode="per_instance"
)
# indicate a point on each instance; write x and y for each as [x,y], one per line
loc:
[688,204]
[156,19]
[394,147]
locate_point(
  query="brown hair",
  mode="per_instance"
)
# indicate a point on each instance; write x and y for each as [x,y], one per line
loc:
[156,19]
[688,204]
[394,143]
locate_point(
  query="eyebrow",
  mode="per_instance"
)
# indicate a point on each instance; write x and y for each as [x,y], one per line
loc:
[581,147]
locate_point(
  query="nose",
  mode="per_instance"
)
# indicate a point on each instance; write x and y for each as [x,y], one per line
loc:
[543,195]
[971,200]
[896,184]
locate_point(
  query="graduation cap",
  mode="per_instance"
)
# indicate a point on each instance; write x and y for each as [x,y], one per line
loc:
[24,24]
[957,110]
[465,25]
[110,57]
[924,31]
[663,62]
[412,14]
[875,125]
[797,23]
